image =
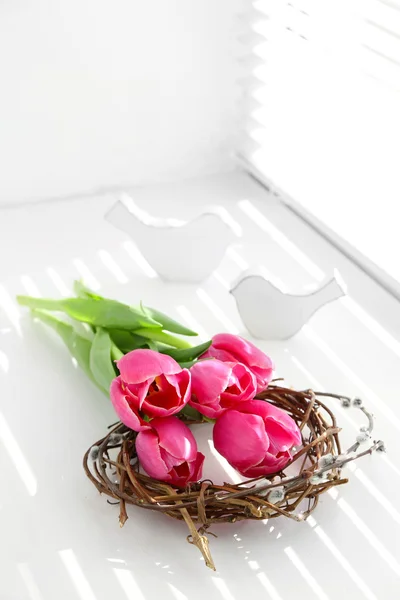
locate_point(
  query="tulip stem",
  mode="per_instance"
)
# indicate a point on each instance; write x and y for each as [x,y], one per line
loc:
[157,335]
[116,353]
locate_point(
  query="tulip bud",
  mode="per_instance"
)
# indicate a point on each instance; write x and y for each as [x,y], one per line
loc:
[232,348]
[217,386]
[168,452]
[256,438]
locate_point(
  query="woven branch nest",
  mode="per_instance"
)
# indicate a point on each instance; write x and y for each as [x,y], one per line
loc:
[317,465]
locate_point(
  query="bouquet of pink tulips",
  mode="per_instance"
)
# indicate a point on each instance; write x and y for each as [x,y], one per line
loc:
[152,390]
[154,376]
[158,383]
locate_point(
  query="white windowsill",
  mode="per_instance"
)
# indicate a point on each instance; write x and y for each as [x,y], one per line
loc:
[54,524]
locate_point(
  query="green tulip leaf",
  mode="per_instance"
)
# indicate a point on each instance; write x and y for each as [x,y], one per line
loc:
[191,413]
[84,292]
[78,345]
[187,354]
[101,364]
[127,341]
[99,312]
[166,322]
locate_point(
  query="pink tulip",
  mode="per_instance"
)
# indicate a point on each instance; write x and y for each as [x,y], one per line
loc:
[168,452]
[125,407]
[151,384]
[217,386]
[232,348]
[256,438]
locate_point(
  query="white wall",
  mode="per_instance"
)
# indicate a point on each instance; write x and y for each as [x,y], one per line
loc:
[111,92]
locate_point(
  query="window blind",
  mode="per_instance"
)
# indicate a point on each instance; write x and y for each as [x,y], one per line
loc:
[323,117]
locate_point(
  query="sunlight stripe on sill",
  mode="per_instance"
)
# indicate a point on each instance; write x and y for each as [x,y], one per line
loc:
[366,391]
[281,239]
[17,457]
[87,276]
[265,582]
[191,322]
[222,588]
[30,286]
[135,254]
[29,581]
[178,595]
[317,386]
[305,573]
[59,282]
[371,324]
[217,311]
[77,575]
[128,584]
[113,266]
[378,495]
[370,536]
[325,539]
[237,258]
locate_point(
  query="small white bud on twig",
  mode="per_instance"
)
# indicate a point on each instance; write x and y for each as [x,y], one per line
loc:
[345,402]
[362,438]
[276,495]
[351,455]
[94,453]
[318,478]
[357,402]
[326,460]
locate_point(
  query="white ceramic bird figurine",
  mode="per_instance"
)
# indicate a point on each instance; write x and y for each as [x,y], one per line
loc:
[186,252]
[270,314]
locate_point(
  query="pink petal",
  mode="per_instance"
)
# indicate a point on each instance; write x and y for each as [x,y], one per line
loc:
[229,347]
[197,467]
[158,411]
[170,461]
[125,411]
[175,438]
[243,350]
[240,438]
[272,414]
[268,466]
[218,354]
[242,385]
[211,411]
[180,474]
[281,436]
[209,379]
[139,365]
[171,396]
[149,456]
[186,472]
[181,382]
[142,390]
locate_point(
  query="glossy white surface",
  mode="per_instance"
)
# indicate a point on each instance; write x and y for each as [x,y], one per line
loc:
[60,539]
